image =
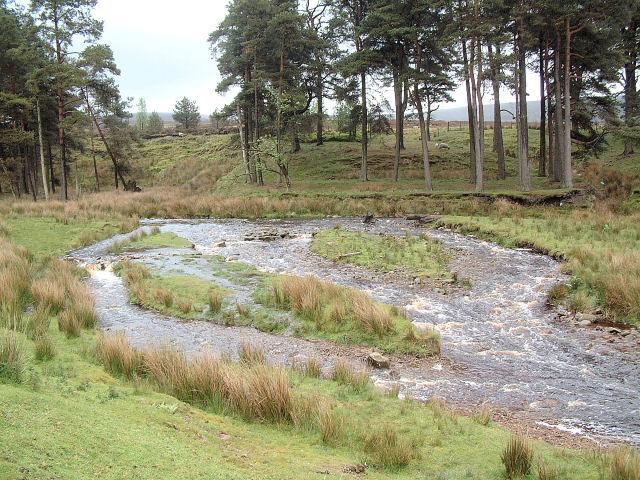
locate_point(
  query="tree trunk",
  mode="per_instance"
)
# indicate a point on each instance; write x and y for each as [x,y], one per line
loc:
[62,145]
[243,145]
[477,148]
[567,180]
[630,83]
[52,177]
[559,124]
[320,115]
[480,119]
[552,160]
[542,158]
[43,166]
[498,141]
[523,121]
[117,172]
[397,90]
[467,84]
[364,168]
[93,155]
[424,135]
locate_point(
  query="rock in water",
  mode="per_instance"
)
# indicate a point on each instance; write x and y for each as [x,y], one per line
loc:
[377,360]
[368,218]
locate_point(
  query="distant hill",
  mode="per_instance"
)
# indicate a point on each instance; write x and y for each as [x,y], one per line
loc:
[460,113]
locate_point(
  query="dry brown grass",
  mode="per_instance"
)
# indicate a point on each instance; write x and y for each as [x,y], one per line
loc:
[117,355]
[343,374]
[48,294]
[251,355]
[163,296]
[330,425]
[15,280]
[622,463]
[309,367]
[184,305]
[69,323]
[215,299]
[483,415]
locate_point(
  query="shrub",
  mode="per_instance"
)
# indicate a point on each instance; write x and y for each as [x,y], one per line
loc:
[516,457]
[44,349]
[117,355]
[12,357]
[387,449]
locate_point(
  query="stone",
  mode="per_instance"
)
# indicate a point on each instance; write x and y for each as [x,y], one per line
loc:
[220,244]
[587,316]
[615,331]
[377,360]
[584,323]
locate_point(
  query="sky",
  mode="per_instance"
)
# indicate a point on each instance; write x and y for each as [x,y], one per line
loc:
[162,50]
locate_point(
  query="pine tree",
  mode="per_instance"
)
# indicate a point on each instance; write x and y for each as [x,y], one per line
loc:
[186,113]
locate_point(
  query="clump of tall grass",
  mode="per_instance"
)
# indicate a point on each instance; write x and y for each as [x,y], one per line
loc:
[12,356]
[49,294]
[387,448]
[15,281]
[117,355]
[309,367]
[184,305]
[215,298]
[44,349]
[250,355]
[4,230]
[517,457]
[483,416]
[343,374]
[330,425]
[163,296]
[622,463]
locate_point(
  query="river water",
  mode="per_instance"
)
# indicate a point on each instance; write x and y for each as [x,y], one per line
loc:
[500,343]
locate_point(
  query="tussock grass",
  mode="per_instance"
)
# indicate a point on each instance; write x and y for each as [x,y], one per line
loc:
[44,349]
[251,355]
[49,294]
[622,463]
[387,448]
[346,315]
[117,355]
[483,415]
[517,457]
[12,357]
[330,425]
[310,367]
[343,374]
[163,296]
[215,298]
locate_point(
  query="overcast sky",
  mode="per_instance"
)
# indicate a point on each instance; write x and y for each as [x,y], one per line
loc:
[161,47]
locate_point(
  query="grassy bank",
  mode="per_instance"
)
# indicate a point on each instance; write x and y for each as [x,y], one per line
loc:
[415,257]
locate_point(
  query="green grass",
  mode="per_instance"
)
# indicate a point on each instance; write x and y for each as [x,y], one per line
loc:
[170,294]
[45,237]
[71,419]
[601,250]
[148,241]
[412,256]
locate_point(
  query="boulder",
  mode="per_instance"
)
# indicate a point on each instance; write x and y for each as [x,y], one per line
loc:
[377,360]
[584,323]
[220,244]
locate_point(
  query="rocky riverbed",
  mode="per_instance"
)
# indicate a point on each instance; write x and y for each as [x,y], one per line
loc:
[501,344]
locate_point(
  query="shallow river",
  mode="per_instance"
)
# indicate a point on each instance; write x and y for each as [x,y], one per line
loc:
[500,343]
